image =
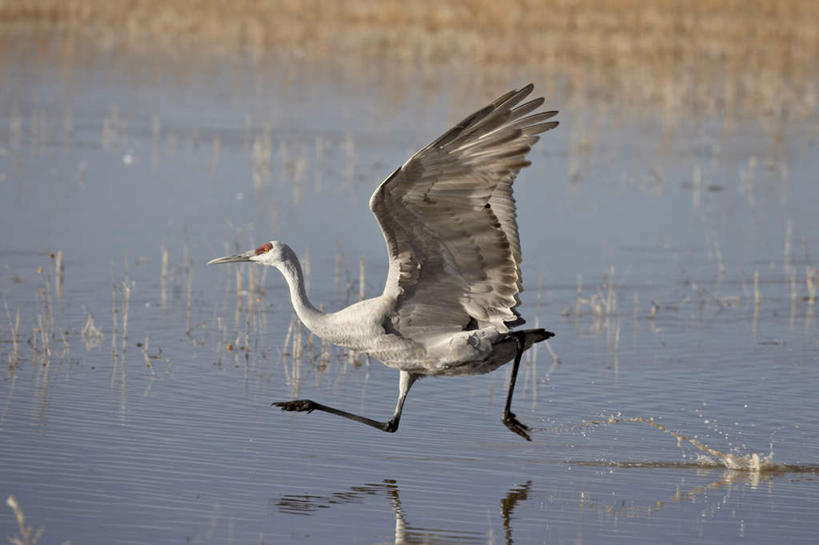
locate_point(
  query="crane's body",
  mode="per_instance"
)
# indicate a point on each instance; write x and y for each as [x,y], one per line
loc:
[449,221]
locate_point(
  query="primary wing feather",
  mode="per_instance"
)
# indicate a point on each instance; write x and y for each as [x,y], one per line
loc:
[448,217]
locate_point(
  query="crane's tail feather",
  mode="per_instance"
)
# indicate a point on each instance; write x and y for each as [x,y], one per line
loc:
[536,335]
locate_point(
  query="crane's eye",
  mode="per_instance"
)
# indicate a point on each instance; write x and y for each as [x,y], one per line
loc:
[264,248]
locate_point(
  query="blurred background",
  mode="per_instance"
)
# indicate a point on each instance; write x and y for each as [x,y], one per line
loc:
[676,58]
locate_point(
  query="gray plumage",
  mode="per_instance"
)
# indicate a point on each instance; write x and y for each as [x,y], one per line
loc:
[449,221]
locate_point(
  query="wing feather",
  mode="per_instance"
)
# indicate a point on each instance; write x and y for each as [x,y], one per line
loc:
[449,219]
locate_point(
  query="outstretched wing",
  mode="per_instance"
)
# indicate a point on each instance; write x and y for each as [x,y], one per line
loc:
[449,220]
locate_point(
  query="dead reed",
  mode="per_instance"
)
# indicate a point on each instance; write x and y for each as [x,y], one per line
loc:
[91,335]
[14,328]
[28,535]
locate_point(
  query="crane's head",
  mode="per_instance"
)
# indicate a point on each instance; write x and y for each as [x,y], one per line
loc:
[272,253]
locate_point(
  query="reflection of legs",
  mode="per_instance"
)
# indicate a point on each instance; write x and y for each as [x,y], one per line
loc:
[508,504]
[509,417]
[400,520]
[404,385]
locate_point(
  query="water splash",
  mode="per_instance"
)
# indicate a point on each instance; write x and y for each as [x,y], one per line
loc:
[709,456]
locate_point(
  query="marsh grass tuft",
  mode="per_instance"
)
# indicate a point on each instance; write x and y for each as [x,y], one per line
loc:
[163,297]
[59,272]
[812,280]
[92,336]
[601,304]
[14,328]
[28,535]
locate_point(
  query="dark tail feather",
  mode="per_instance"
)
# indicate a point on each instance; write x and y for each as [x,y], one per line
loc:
[537,335]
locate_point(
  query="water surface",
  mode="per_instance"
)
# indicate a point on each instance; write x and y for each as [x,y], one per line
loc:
[675,264]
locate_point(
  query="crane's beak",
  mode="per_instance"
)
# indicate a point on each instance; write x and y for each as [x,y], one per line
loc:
[233,258]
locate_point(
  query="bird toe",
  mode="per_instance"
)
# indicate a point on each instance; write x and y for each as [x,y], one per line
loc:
[511,421]
[296,405]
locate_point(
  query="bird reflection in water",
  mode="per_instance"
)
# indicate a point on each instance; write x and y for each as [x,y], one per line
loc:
[405,533]
[584,501]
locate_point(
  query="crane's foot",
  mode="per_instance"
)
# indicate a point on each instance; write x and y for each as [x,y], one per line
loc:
[511,421]
[297,405]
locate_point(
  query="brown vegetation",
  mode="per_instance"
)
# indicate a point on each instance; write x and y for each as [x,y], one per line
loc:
[732,57]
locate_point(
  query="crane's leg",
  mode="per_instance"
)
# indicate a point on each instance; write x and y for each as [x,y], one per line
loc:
[509,418]
[305,405]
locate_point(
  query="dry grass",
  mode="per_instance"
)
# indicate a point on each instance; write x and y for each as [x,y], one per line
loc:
[735,57]
[28,535]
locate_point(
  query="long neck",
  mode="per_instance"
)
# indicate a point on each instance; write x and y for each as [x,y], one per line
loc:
[308,314]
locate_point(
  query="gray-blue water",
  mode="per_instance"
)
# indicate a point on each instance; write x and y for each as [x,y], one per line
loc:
[694,249]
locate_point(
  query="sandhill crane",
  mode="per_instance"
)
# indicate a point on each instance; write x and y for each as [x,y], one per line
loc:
[449,220]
